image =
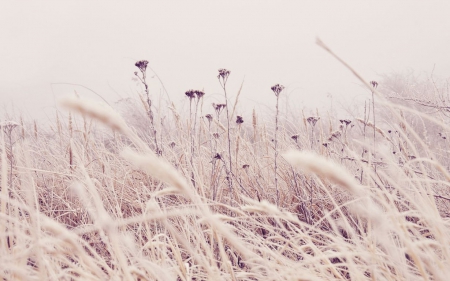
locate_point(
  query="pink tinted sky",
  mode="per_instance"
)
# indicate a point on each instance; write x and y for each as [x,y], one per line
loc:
[95,44]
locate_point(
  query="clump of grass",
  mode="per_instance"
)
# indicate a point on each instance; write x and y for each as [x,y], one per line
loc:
[123,211]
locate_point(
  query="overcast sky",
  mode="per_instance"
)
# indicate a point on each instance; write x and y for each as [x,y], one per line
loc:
[95,44]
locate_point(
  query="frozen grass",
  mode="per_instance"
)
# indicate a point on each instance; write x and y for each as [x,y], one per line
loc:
[90,202]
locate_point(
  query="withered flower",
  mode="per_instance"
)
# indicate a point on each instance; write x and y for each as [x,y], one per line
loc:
[239,120]
[217,156]
[218,107]
[142,65]
[209,117]
[374,84]
[277,89]
[335,134]
[312,120]
[190,94]
[223,73]
[245,166]
[295,137]
[199,94]
[345,121]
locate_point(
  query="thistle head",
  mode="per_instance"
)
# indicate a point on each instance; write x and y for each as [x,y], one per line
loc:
[277,89]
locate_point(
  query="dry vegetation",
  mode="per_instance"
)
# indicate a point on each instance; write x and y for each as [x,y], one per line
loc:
[211,197]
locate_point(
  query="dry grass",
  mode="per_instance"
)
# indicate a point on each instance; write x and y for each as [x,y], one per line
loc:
[91,202]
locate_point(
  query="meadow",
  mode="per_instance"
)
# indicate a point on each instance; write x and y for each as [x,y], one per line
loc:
[210,195]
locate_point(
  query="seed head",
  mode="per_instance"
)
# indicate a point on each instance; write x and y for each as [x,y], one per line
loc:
[312,120]
[218,107]
[374,84]
[190,94]
[345,121]
[277,89]
[239,120]
[294,137]
[334,135]
[217,156]
[199,94]
[223,73]
[142,65]
[209,117]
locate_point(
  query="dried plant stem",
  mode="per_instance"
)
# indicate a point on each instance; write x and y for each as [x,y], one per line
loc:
[142,65]
[276,151]
[230,181]
[224,74]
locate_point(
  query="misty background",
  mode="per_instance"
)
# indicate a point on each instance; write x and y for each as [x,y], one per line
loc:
[54,48]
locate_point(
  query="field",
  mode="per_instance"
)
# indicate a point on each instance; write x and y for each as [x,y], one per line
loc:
[210,195]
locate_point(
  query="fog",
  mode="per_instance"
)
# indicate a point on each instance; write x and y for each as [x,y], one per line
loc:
[54,48]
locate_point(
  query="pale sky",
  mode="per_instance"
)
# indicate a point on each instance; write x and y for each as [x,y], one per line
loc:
[95,44]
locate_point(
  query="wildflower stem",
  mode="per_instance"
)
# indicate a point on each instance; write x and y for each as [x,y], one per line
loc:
[230,181]
[276,150]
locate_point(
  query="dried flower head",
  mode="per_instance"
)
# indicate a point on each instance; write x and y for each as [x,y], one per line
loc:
[245,166]
[217,156]
[295,137]
[345,121]
[218,107]
[172,144]
[335,134]
[374,84]
[209,117]
[312,120]
[8,126]
[223,73]
[239,120]
[199,94]
[277,89]
[142,65]
[190,94]
[216,135]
